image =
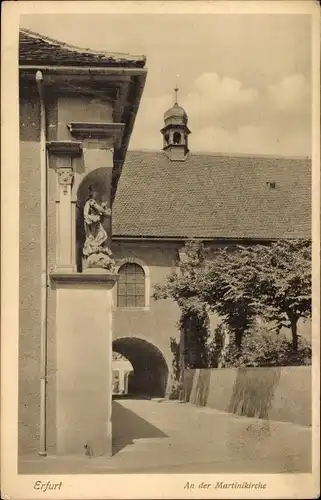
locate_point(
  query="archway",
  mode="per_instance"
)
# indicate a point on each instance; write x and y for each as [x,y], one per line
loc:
[150,374]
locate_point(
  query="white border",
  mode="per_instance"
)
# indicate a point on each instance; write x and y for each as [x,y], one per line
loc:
[129,486]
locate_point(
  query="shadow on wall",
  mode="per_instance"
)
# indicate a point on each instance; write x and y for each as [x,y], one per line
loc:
[188,384]
[275,393]
[252,395]
[128,426]
[200,389]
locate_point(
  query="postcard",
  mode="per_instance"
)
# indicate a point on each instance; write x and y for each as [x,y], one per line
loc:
[160,250]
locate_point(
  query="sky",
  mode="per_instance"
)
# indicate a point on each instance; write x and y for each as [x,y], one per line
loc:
[244,79]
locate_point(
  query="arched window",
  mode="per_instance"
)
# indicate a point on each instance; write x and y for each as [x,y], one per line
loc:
[177,138]
[131,286]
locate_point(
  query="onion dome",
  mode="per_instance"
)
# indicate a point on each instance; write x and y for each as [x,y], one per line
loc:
[176,112]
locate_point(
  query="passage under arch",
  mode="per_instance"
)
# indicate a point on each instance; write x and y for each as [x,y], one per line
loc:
[150,371]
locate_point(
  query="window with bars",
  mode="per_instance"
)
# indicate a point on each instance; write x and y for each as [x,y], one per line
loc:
[131,286]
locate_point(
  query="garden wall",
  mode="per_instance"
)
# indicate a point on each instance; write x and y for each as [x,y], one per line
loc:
[274,393]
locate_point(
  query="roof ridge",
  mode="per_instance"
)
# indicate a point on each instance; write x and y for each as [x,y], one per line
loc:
[75,48]
[219,154]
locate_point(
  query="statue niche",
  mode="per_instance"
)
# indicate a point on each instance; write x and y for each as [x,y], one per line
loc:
[95,251]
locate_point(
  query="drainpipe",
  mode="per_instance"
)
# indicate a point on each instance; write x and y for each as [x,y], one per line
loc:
[44,273]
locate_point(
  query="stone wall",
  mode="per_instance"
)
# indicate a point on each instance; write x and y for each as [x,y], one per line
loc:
[30,276]
[273,393]
[29,272]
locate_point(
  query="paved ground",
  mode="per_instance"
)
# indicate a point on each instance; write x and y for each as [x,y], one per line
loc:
[168,436]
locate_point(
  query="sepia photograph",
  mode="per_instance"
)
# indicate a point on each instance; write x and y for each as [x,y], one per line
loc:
[165,278]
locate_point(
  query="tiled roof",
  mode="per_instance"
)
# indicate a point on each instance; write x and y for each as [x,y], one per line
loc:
[213,196]
[40,49]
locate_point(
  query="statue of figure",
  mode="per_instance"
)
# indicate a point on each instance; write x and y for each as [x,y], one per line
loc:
[95,251]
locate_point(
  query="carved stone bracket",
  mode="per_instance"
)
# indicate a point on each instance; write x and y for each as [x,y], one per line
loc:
[65,177]
[64,148]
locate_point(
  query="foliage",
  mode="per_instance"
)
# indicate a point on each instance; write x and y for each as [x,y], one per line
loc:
[195,328]
[265,347]
[174,345]
[272,281]
[282,288]
[201,285]
[215,347]
[182,286]
[175,389]
[174,384]
[226,286]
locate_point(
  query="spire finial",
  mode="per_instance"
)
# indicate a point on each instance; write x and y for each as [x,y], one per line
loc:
[176,89]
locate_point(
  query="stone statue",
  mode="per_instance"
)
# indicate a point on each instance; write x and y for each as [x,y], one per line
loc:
[95,251]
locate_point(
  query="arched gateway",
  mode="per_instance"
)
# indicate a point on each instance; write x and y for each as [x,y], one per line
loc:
[150,374]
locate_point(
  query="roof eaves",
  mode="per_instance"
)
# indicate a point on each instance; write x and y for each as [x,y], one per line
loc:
[206,238]
[101,57]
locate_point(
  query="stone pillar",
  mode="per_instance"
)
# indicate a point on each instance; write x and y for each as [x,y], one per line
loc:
[84,362]
[65,234]
[61,156]
[121,380]
[126,376]
[83,302]
[73,234]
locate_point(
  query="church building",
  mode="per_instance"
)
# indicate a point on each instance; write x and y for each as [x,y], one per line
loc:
[167,196]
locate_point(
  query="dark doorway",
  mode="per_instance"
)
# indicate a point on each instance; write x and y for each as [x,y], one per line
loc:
[150,374]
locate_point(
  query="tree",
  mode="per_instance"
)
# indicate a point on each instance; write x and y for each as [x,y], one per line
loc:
[272,281]
[282,288]
[182,285]
[225,285]
[241,283]
[220,285]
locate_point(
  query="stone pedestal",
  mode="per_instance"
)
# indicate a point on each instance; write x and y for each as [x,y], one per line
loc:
[84,361]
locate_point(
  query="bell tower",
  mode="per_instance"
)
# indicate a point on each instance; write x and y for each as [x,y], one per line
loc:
[175,132]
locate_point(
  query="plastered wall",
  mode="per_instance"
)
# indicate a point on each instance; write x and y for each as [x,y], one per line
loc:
[271,393]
